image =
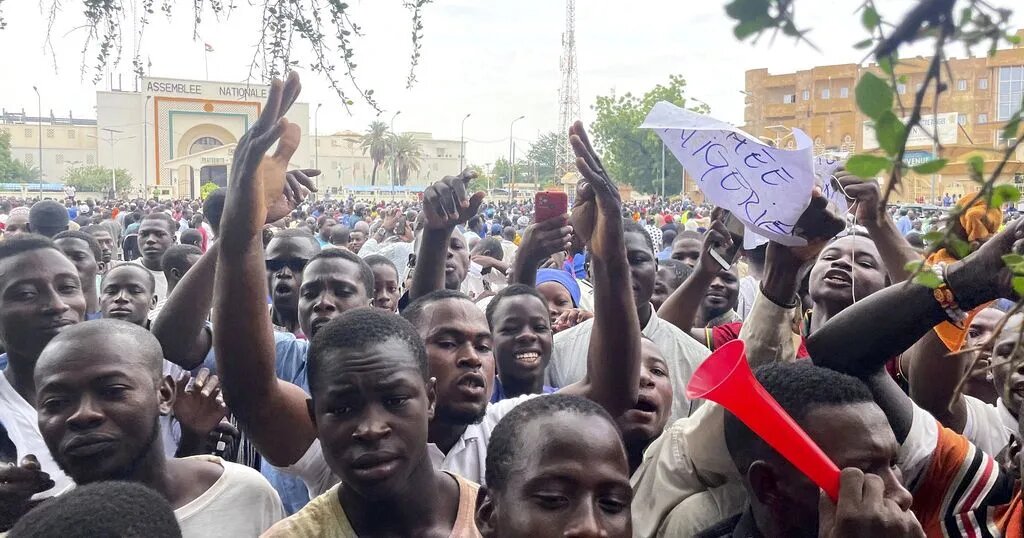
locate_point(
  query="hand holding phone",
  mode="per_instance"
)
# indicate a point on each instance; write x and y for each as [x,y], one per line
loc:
[549,204]
[725,251]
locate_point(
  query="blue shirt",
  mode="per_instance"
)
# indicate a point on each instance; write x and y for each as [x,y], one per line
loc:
[904,225]
[499,393]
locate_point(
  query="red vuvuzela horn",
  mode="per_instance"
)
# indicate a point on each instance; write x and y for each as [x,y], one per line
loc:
[725,378]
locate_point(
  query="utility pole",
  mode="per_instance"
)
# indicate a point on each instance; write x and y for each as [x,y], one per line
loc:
[462,142]
[39,103]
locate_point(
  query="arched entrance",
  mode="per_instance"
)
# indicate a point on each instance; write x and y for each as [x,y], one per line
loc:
[214,173]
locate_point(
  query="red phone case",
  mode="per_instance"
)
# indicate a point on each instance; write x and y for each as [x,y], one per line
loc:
[549,204]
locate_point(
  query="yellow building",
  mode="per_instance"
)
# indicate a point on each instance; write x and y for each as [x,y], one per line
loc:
[984,93]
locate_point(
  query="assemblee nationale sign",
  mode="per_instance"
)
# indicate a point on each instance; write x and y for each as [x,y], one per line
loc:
[206,89]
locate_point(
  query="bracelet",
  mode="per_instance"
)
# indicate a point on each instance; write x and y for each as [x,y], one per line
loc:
[946,298]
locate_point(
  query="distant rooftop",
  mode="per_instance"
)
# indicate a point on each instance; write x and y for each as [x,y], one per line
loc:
[20,118]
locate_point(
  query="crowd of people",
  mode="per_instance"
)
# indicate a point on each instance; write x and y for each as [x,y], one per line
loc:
[259,364]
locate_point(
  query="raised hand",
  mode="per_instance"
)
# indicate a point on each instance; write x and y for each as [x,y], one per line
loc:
[447,203]
[717,238]
[865,195]
[298,184]
[570,318]
[863,510]
[198,405]
[543,239]
[818,225]
[597,212]
[17,486]
[983,276]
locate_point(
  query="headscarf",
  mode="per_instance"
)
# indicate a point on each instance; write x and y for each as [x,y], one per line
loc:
[655,234]
[563,278]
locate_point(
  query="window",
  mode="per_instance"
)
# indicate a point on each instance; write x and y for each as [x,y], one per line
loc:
[440,152]
[844,92]
[901,89]
[59,158]
[790,144]
[28,132]
[89,159]
[848,144]
[961,85]
[71,134]
[49,133]
[982,83]
[826,93]
[204,143]
[29,159]
[982,118]
[1010,91]
[806,95]
[788,98]
[961,119]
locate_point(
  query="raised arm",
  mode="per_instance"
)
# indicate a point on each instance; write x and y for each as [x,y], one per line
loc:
[613,360]
[681,308]
[934,376]
[863,337]
[894,249]
[271,411]
[181,325]
[446,204]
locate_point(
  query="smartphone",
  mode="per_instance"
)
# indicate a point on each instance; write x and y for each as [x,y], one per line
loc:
[725,257]
[549,204]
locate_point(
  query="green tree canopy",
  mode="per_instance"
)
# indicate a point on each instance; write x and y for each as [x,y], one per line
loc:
[633,155]
[95,178]
[376,141]
[540,160]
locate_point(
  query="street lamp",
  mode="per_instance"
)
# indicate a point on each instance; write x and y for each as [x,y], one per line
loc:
[316,141]
[39,102]
[511,156]
[145,145]
[394,161]
[462,141]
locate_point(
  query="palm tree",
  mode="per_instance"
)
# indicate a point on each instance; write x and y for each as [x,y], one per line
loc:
[376,141]
[405,152]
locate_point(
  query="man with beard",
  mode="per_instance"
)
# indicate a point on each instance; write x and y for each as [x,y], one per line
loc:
[40,296]
[99,410]
[286,256]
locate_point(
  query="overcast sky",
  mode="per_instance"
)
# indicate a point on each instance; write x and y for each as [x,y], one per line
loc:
[495,59]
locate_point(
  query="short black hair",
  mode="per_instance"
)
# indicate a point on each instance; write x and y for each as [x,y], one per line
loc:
[365,273]
[176,257]
[358,329]
[213,208]
[506,439]
[150,279]
[323,218]
[512,290]
[48,215]
[101,509]
[340,234]
[799,387]
[93,228]
[376,259]
[490,246]
[160,215]
[628,226]
[667,237]
[680,270]
[17,244]
[94,245]
[414,312]
[286,233]
[191,236]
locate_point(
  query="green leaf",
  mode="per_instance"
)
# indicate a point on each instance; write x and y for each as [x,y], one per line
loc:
[869,18]
[912,267]
[874,96]
[959,247]
[930,167]
[746,29]
[1002,194]
[927,279]
[1015,39]
[1018,285]
[902,79]
[890,132]
[867,166]
[864,44]
[933,236]
[977,165]
[885,64]
[1013,259]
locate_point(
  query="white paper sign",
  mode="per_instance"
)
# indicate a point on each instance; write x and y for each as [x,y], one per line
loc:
[767,188]
[825,166]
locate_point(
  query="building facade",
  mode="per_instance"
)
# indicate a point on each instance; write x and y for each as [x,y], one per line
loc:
[984,93]
[344,164]
[67,142]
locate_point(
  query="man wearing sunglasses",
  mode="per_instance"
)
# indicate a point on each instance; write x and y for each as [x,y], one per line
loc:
[286,255]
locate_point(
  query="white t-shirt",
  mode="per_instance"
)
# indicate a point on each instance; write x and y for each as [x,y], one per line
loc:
[988,427]
[22,424]
[467,458]
[240,503]
[682,353]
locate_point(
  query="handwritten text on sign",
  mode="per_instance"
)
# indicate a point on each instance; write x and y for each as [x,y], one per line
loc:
[765,187]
